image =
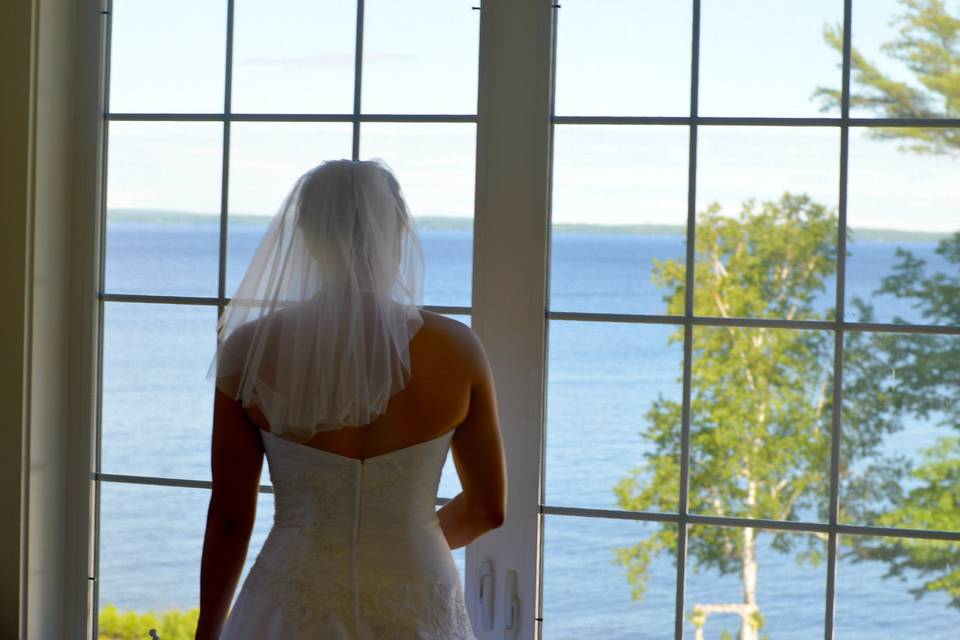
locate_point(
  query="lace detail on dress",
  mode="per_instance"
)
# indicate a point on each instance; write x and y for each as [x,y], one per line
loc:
[400,610]
[306,503]
[304,603]
[324,499]
[389,473]
[389,608]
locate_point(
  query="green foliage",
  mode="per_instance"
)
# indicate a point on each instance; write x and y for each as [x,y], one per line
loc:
[933,505]
[936,295]
[928,43]
[131,625]
[928,386]
[760,405]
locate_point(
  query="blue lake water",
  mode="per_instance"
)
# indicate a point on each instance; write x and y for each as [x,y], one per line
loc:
[602,377]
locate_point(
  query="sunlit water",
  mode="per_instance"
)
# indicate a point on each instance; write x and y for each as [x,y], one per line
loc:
[602,378]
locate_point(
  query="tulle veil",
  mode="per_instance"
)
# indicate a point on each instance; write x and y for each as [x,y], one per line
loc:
[318,332]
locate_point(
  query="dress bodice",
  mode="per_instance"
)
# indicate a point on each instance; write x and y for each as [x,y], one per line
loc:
[395,490]
[356,549]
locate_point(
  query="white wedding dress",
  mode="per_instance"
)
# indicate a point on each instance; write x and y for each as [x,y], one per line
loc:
[356,550]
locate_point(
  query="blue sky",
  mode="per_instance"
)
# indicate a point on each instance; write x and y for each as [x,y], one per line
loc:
[615,57]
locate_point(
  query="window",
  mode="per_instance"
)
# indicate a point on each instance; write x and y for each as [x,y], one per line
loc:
[718,287]
[204,140]
[751,357]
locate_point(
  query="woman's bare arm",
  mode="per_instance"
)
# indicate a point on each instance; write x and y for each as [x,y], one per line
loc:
[478,454]
[236,462]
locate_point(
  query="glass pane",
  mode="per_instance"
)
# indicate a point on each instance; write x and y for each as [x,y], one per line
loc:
[760,423]
[294,56]
[420,56]
[619,204]
[157,402]
[766,57]
[460,559]
[608,578]
[766,223]
[449,480]
[265,161]
[167,57]
[151,540]
[901,59]
[613,408]
[901,408]
[891,588]
[161,176]
[623,57]
[772,582]
[435,165]
[904,217]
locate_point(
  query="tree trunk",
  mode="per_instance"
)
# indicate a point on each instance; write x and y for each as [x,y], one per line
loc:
[748,627]
[747,610]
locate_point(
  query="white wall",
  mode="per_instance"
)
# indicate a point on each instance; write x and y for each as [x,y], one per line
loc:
[48,195]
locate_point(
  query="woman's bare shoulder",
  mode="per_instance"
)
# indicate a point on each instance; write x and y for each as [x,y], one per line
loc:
[439,327]
[452,335]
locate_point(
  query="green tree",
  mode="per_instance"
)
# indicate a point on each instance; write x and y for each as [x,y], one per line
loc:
[760,399]
[928,387]
[928,44]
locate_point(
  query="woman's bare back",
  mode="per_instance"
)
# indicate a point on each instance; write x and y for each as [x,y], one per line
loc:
[451,386]
[443,362]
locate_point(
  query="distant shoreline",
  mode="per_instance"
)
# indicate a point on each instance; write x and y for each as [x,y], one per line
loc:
[451,223]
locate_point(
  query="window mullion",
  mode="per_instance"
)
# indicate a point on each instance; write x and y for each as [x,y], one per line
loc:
[225,166]
[836,430]
[509,283]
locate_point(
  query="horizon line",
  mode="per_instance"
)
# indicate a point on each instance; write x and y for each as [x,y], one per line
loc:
[465,223]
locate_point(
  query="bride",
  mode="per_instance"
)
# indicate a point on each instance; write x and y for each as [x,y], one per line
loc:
[328,366]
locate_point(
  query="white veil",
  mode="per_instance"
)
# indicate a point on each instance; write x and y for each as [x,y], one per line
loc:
[318,333]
